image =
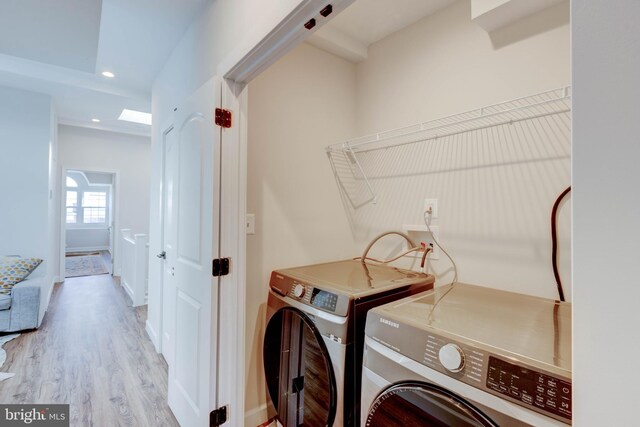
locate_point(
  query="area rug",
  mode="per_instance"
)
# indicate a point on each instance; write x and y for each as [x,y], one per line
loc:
[3,355]
[89,265]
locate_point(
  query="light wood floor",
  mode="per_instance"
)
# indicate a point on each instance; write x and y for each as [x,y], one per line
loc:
[92,352]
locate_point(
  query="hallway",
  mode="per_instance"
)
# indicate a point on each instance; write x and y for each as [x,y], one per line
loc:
[92,352]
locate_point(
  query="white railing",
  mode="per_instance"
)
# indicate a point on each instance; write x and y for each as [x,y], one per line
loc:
[135,265]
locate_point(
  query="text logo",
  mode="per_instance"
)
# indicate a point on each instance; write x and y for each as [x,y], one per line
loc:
[34,415]
[389,323]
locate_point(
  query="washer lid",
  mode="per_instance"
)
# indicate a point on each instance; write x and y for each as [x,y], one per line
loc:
[503,322]
[352,278]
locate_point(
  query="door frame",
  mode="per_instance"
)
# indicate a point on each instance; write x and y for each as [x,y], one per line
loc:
[236,72]
[115,214]
[232,289]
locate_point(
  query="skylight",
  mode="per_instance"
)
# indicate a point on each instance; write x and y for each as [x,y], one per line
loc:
[135,117]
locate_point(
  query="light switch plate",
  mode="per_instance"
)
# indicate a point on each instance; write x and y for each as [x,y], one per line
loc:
[251,224]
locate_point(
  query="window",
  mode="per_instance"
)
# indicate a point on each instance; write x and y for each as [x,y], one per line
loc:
[94,207]
[87,205]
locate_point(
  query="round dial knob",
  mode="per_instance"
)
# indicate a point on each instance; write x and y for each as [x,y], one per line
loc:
[298,290]
[451,357]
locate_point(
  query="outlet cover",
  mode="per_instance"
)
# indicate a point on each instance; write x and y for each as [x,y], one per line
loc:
[433,204]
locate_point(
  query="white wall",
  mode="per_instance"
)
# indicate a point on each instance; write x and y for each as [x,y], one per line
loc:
[299,104]
[28,180]
[130,155]
[606,65]
[87,239]
[495,190]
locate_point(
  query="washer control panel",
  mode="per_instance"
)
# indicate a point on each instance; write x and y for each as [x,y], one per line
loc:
[530,387]
[455,359]
[534,389]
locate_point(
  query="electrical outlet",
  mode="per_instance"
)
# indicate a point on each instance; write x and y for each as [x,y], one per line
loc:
[433,204]
[251,224]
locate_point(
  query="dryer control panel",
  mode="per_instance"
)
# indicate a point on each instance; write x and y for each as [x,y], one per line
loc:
[309,294]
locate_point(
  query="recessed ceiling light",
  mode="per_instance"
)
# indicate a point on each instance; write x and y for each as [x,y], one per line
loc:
[108,74]
[135,117]
[95,120]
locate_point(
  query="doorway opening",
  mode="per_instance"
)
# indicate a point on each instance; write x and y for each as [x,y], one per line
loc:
[88,222]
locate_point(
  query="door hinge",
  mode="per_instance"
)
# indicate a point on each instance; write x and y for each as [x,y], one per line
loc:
[223,118]
[220,267]
[219,416]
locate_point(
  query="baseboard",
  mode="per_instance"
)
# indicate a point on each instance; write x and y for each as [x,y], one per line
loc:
[43,310]
[256,416]
[153,336]
[53,283]
[87,249]
[127,289]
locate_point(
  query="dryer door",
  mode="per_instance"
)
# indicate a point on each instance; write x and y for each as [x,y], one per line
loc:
[298,370]
[420,404]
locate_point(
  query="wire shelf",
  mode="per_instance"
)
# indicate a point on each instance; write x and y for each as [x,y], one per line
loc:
[351,176]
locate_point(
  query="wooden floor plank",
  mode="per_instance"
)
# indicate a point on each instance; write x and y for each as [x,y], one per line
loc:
[92,352]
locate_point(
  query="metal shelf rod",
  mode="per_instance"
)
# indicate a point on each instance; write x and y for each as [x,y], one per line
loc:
[444,135]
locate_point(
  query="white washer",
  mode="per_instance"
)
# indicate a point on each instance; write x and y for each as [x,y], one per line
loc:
[315,335]
[463,355]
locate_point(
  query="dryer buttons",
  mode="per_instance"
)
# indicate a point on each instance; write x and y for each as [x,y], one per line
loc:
[451,357]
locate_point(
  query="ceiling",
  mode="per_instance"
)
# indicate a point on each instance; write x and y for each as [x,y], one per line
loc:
[350,34]
[61,48]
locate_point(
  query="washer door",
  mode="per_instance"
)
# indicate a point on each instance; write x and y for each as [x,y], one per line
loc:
[420,404]
[298,370]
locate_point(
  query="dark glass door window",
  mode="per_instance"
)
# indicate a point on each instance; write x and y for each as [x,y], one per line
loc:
[298,370]
[418,404]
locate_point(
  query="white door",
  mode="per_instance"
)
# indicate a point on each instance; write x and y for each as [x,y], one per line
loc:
[192,375]
[169,232]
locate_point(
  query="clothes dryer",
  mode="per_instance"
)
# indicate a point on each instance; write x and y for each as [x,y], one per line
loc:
[314,337]
[464,355]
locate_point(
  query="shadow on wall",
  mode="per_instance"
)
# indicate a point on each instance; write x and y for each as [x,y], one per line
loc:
[530,26]
[495,184]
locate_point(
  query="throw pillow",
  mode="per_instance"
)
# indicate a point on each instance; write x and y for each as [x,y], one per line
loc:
[15,270]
